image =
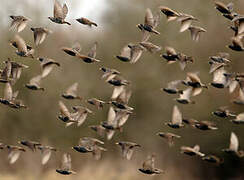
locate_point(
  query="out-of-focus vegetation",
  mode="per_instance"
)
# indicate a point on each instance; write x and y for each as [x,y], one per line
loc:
[116,27]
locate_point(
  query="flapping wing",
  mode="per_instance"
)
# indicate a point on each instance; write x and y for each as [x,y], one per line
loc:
[72,90]
[36,80]
[58,10]
[13,156]
[46,154]
[234,143]
[176,116]
[93,51]
[8,92]
[66,162]
[21,45]
[63,109]
[149,20]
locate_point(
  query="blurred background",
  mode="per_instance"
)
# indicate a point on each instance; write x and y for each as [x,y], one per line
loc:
[117,22]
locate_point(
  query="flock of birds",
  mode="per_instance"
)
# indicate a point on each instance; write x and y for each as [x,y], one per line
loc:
[120,110]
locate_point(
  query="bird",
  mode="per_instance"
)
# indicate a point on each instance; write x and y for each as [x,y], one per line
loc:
[46,152]
[65,114]
[127,148]
[9,96]
[65,168]
[205,125]
[125,54]
[47,65]
[191,122]
[213,159]
[224,9]
[239,100]
[99,104]
[19,23]
[223,112]
[99,129]
[194,81]
[239,23]
[219,79]
[148,166]
[136,52]
[171,15]
[195,32]
[34,83]
[176,121]
[75,51]
[107,72]
[150,23]
[111,124]
[122,100]
[221,57]
[59,13]
[6,72]
[172,87]
[185,97]
[234,145]
[169,137]
[171,55]
[40,34]
[150,47]
[239,119]
[131,53]
[117,80]
[237,44]
[79,115]
[14,69]
[195,151]
[183,60]
[22,49]
[186,21]
[90,145]
[71,92]
[32,145]
[86,21]
[14,153]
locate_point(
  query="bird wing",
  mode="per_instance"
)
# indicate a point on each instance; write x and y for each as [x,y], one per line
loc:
[72,90]
[234,143]
[117,91]
[185,24]
[58,10]
[93,51]
[173,84]
[186,94]
[126,52]
[8,92]
[13,156]
[21,45]
[66,162]
[65,11]
[149,20]
[36,80]
[111,116]
[176,116]
[46,154]
[63,109]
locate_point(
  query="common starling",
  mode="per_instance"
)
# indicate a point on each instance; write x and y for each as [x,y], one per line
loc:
[40,34]
[19,23]
[59,13]
[65,165]
[234,145]
[127,148]
[148,166]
